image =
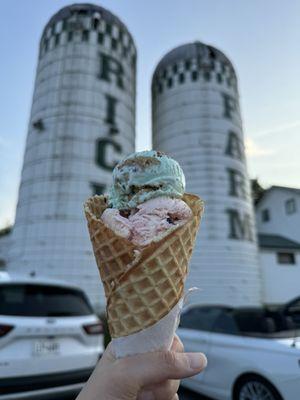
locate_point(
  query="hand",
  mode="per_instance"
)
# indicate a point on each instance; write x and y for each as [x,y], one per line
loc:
[149,376]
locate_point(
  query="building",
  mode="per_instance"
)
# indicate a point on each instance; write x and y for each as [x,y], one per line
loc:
[278,225]
[196,119]
[82,123]
[278,212]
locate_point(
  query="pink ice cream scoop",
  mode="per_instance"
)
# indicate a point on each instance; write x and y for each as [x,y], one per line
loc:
[149,220]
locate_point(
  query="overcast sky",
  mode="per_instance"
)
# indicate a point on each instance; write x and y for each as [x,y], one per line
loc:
[261,37]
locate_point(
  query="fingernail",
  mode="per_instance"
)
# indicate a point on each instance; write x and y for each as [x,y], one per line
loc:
[197,360]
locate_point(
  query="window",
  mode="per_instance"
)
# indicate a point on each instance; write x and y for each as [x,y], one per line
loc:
[64,25]
[207,75]
[56,40]
[100,37]
[181,78]
[170,82]
[95,23]
[187,64]
[212,54]
[254,321]
[70,36]
[286,258]
[175,68]
[201,319]
[194,75]
[108,28]
[133,61]
[114,43]
[46,44]
[85,36]
[31,300]
[290,206]
[219,78]
[265,215]
[226,324]
[82,12]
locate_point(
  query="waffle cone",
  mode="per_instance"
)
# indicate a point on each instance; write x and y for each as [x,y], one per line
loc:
[142,284]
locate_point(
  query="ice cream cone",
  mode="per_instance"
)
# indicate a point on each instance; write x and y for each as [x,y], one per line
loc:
[141,284]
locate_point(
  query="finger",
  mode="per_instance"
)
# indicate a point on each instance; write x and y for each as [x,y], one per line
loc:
[162,391]
[177,345]
[155,367]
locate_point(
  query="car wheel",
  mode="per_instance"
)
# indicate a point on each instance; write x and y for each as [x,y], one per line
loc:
[255,388]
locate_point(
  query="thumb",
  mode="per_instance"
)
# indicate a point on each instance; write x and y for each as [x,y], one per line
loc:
[151,368]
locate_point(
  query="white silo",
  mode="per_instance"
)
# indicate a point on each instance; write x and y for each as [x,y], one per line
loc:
[196,119]
[82,123]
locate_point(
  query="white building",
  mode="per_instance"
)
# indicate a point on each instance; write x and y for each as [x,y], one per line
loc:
[196,119]
[82,123]
[278,212]
[278,225]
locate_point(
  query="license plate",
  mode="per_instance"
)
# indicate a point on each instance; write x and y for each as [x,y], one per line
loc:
[45,347]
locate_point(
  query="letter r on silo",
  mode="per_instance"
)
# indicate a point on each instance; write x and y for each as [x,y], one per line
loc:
[110,66]
[230,105]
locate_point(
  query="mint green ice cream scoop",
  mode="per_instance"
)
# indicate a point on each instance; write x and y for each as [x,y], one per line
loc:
[143,176]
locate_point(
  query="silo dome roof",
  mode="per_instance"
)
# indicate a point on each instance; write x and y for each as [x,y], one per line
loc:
[88,9]
[192,50]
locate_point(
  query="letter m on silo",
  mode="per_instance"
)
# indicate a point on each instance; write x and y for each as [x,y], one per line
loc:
[240,226]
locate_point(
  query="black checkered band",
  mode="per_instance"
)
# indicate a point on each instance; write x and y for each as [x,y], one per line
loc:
[210,66]
[79,26]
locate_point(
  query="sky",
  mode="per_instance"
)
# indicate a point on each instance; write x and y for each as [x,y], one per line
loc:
[261,38]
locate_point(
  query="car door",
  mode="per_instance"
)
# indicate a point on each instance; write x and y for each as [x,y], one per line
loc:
[224,347]
[195,329]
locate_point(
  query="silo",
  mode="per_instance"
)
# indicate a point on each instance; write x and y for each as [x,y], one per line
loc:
[82,123]
[196,119]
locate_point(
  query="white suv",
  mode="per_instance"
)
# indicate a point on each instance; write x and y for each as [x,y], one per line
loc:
[50,338]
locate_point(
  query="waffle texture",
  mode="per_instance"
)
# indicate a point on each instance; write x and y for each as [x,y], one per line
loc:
[141,284]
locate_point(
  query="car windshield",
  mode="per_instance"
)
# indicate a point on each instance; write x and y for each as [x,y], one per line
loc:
[35,300]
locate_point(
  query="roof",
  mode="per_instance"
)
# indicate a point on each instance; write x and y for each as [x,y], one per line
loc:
[267,241]
[294,190]
[190,50]
[284,188]
[89,9]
